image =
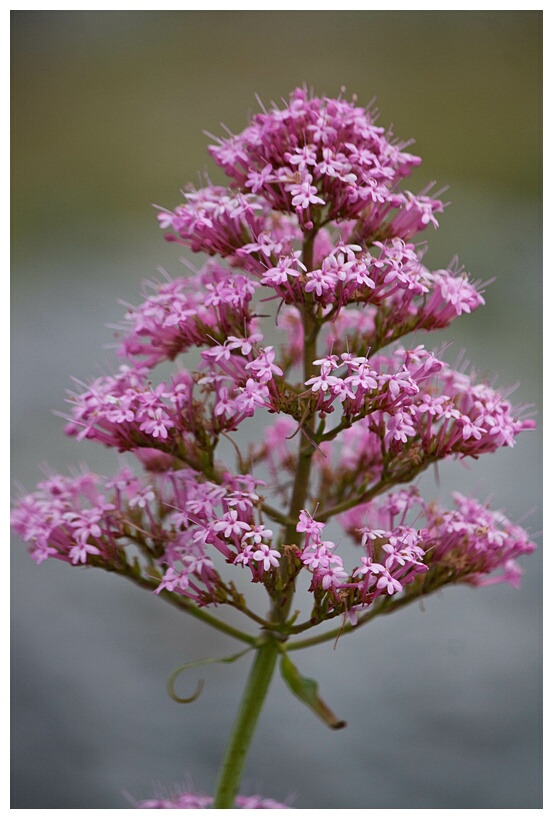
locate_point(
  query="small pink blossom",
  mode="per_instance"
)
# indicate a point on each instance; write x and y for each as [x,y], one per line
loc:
[308,525]
[266,556]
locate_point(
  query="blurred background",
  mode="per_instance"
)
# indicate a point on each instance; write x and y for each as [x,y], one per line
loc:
[108,111]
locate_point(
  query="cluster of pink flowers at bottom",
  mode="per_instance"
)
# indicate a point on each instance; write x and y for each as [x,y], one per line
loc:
[195,800]
[179,522]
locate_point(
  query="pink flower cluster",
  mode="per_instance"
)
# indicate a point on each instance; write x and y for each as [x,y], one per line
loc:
[470,543]
[414,395]
[392,276]
[403,561]
[128,413]
[326,157]
[68,519]
[314,220]
[195,801]
[203,309]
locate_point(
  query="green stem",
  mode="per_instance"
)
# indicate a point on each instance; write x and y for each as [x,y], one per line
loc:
[182,603]
[389,605]
[282,603]
[371,493]
[277,516]
[389,479]
[242,733]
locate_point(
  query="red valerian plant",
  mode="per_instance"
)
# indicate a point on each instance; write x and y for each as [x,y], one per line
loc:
[315,223]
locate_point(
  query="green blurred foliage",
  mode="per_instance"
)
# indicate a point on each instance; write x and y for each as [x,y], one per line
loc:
[108,108]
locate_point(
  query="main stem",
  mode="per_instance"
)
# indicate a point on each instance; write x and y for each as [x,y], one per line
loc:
[261,673]
[306,448]
[255,692]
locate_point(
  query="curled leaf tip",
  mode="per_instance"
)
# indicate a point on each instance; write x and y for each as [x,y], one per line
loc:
[194,664]
[171,688]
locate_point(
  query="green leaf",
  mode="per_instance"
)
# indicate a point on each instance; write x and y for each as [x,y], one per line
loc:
[306,690]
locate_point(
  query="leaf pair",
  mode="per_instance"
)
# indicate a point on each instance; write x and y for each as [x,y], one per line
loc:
[304,688]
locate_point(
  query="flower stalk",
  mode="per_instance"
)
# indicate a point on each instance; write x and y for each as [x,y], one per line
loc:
[255,692]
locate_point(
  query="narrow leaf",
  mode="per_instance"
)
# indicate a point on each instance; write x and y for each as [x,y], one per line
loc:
[306,690]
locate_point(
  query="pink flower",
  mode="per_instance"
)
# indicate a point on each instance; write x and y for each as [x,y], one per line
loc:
[264,367]
[266,557]
[304,193]
[308,525]
[79,553]
[230,525]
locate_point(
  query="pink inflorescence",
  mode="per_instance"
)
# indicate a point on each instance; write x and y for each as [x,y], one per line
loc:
[193,801]
[314,235]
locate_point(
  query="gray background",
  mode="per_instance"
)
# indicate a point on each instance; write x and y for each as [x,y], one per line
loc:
[443,705]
